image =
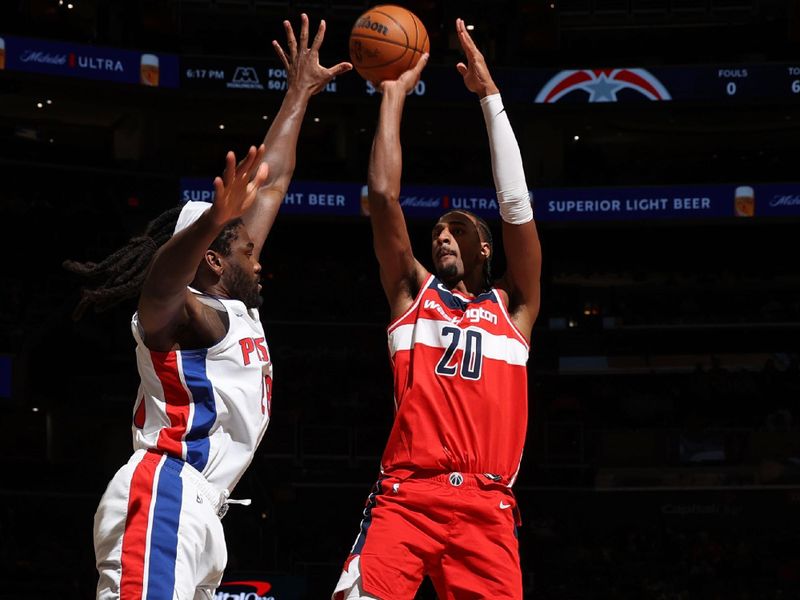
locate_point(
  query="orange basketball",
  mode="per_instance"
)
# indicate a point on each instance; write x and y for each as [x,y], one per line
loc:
[386,41]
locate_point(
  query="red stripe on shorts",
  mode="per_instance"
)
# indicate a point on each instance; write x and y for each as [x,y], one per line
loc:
[134,540]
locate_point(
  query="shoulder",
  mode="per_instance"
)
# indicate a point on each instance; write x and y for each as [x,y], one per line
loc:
[207,324]
[515,309]
[405,293]
[501,287]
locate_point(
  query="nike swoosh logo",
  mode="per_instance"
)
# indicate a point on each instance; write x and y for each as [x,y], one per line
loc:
[503,505]
[454,294]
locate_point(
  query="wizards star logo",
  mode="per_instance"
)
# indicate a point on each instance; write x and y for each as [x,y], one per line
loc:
[601,85]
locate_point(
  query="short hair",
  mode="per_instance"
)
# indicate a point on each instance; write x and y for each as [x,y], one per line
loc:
[486,236]
[228,235]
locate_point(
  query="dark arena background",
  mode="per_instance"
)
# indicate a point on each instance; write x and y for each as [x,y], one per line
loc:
[661,139]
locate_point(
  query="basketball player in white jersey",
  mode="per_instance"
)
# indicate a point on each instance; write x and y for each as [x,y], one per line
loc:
[206,372]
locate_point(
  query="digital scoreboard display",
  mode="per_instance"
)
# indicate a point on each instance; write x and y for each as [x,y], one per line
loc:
[706,83]
[757,82]
[769,82]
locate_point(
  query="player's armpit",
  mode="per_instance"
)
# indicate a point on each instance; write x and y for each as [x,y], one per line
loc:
[521,310]
[401,292]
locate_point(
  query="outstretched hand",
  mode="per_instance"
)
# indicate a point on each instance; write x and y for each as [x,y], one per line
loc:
[302,64]
[408,80]
[475,73]
[236,190]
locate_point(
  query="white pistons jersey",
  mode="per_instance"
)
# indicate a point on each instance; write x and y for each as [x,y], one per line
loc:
[209,407]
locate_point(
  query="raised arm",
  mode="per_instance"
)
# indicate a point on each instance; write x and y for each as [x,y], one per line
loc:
[306,77]
[401,273]
[164,301]
[520,238]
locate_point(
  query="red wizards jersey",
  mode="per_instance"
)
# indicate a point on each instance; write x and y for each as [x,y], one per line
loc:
[460,386]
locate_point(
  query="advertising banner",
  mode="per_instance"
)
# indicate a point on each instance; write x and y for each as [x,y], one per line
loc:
[550,204]
[776,82]
[261,586]
[673,202]
[603,204]
[90,62]
[303,197]
[317,197]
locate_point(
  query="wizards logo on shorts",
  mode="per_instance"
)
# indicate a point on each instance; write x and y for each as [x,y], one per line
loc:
[602,85]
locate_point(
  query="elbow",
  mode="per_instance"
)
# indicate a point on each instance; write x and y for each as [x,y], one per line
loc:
[279,185]
[382,195]
[383,182]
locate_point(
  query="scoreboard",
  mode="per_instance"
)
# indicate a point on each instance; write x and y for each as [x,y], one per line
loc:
[757,83]
[725,83]
[768,82]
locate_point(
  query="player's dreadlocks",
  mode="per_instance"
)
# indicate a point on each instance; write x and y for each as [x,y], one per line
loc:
[124,270]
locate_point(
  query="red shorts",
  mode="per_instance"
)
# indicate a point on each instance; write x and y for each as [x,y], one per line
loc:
[458,529]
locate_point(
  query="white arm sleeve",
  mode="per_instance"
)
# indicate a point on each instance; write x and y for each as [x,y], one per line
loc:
[509,175]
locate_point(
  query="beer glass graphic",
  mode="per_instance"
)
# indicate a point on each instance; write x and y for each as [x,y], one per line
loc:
[2,54]
[148,71]
[365,201]
[744,202]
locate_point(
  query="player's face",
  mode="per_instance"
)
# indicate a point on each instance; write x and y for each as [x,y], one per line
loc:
[455,246]
[243,271]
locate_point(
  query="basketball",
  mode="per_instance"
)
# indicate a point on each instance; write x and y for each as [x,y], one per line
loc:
[386,41]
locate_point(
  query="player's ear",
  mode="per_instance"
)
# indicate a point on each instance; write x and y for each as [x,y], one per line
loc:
[486,250]
[214,262]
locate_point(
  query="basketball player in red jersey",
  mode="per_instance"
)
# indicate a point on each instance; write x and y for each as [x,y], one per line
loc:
[443,506]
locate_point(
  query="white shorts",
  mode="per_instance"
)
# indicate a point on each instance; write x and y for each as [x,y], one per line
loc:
[157,535]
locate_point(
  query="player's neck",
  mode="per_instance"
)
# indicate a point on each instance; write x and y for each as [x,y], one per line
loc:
[469,287]
[210,288]
[218,291]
